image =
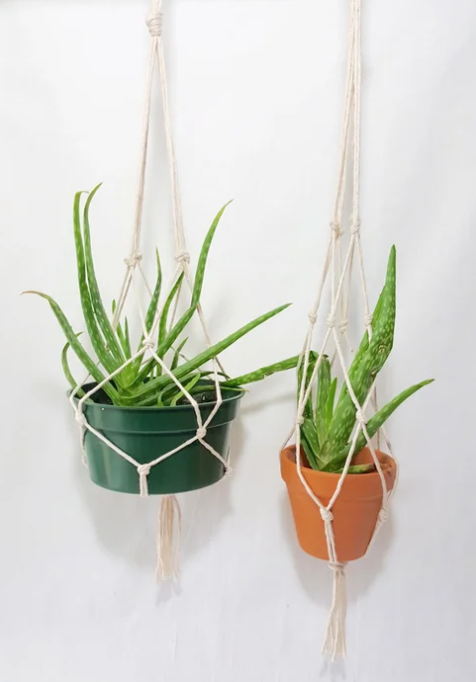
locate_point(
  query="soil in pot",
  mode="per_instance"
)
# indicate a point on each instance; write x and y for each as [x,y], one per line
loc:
[146,433]
[355,510]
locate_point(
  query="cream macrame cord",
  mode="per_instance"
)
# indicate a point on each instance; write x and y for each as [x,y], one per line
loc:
[338,268]
[167,564]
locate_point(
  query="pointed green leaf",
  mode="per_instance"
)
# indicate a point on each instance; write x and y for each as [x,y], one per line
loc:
[154,301]
[375,423]
[77,347]
[310,440]
[112,342]
[188,387]
[372,362]
[177,354]
[105,358]
[330,402]
[178,328]
[259,374]
[308,408]
[67,372]
[206,355]
[323,386]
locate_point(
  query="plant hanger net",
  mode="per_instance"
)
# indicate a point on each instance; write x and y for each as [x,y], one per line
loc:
[134,279]
[338,269]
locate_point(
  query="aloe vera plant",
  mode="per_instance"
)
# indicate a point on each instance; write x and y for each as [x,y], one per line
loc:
[141,382]
[328,425]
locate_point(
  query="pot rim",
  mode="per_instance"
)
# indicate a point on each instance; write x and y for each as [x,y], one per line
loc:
[359,483]
[234,395]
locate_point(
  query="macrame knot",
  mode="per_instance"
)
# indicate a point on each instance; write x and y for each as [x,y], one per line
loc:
[81,419]
[368,319]
[383,515]
[201,432]
[143,470]
[361,418]
[154,24]
[228,471]
[299,421]
[331,321]
[336,566]
[148,343]
[326,515]
[337,230]
[343,326]
[133,260]
[182,257]
[312,317]
[355,226]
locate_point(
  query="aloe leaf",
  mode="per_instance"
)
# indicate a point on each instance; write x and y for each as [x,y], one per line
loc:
[163,396]
[127,340]
[154,301]
[176,358]
[310,440]
[106,359]
[188,386]
[165,314]
[178,328]
[67,372]
[359,469]
[372,362]
[77,347]
[323,387]
[364,344]
[330,402]
[205,356]
[202,260]
[95,295]
[375,423]
[308,408]
[259,374]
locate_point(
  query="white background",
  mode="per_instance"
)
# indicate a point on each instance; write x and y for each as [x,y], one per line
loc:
[256,88]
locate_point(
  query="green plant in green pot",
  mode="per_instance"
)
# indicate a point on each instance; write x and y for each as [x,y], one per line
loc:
[332,426]
[142,411]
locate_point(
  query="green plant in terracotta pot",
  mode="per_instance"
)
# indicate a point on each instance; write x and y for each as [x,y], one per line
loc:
[141,410]
[331,426]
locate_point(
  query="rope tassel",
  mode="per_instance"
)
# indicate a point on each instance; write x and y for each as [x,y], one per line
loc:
[334,642]
[168,538]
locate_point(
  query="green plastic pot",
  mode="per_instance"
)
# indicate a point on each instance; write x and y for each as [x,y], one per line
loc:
[146,433]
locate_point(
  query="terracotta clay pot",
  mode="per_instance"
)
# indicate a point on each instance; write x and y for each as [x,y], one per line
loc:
[355,510]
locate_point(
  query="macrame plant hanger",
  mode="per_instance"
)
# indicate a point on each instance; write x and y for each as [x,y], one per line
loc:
[169,513]
[339,266]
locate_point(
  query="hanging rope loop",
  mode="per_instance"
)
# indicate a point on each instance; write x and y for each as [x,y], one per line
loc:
[154,24]
[339,266]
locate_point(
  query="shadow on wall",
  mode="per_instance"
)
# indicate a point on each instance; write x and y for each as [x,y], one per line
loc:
[126,525]
[316,577]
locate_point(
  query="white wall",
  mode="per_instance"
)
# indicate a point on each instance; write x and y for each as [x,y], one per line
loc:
[256,93]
